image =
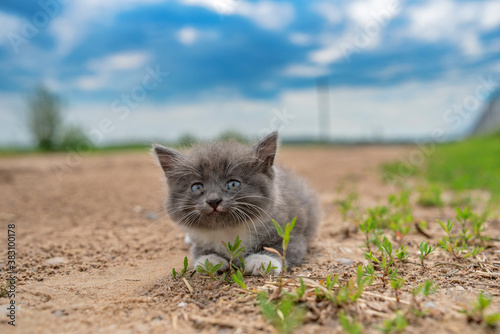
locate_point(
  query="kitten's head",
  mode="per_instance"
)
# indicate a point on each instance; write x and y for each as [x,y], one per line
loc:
[221,184]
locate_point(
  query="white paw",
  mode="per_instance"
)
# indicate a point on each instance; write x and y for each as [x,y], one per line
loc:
[213,259]
[253,264]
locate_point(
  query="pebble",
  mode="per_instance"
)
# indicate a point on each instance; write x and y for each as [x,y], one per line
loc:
[60,313]
[182,304]
[344,261]
[56,261]
[430,305]
[459,288]
[151,216]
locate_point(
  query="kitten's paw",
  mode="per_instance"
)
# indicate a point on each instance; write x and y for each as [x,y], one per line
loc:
[213,259]
[253,264]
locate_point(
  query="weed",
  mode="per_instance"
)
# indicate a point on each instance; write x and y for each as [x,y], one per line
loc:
[430,196]
[347,205]
[234,251]
[424,289]
[478,314]
[209,269]
[4,289]
[370,229]
[349,324]
[395,325]
[285,234]
[349,293]
[184,271]
[396,284]
[266,271]
[238,279]
[402,253]
[425,251]
[285,315]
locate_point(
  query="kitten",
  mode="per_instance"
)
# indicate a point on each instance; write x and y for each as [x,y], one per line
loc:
[221,190]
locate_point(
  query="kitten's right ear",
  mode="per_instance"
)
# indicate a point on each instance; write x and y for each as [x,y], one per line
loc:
[167,157]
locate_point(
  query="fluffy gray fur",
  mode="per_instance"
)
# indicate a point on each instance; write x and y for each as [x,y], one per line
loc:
[218,213]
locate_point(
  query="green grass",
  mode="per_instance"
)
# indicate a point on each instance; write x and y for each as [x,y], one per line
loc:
[470,164]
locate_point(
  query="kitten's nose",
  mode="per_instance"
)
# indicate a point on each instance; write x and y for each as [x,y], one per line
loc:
[214,203]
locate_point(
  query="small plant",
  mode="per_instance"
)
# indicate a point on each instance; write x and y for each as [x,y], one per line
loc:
[4,289]
[464,216]
[266,271]
[350,325]
[285,234]
[349,293]
[234,251]
[347,205]
[238,279]
[285,315]
[209,269]
[446,242]
[388,271]
[396,325]
[396,285]
[425,251]
[370,229]
[478,314]
[424,289]
[184,271]
[402,253]
[430,197]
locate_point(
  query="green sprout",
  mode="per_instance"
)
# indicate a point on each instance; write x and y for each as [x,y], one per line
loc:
[238,279]
[285,315]
[430,197]
[478,314]
[396,325]
[349,324]
[209,269]
[234,251]
[266,271]
[425,251]
[184,270]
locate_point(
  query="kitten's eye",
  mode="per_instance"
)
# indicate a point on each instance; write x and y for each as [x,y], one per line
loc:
[197,188]
[233,185]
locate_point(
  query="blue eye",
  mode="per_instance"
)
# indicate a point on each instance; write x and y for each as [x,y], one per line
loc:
[233,185]
[197,188]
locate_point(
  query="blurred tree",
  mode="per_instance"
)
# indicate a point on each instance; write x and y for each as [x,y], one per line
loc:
[74,138]
[187,141]
[44,118]
[233,135]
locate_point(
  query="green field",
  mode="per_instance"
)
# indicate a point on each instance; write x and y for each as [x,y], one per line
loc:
[470,164]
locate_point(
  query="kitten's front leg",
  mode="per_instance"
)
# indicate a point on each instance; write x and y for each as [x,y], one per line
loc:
[213,259]
[253,264]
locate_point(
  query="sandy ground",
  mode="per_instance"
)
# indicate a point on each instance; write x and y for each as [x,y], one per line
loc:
[95,249]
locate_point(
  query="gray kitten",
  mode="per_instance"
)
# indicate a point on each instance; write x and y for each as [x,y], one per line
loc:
[222,190]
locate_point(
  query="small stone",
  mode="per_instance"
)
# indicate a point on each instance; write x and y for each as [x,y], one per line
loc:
[151,216]
[460,288]
[56,261]
[430,305]
[60,313]
[344,261]
[138,209]
[182,304]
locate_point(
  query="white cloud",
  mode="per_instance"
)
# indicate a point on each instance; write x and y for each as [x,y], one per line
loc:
[77,17]
[454,22]
[266,14]
[327,10]
[300,39]
[305,71]
[106,69]
[187,35]
[8,24]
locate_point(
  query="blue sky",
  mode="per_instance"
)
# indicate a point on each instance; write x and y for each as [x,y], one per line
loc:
[397,69]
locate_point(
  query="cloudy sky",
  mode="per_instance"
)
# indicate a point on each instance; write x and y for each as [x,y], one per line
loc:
[150,70]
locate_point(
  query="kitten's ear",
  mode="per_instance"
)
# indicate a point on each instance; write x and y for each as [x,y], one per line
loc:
[167,157]
[265,150]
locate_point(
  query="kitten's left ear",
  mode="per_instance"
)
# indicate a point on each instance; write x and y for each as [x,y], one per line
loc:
[265,150]
[167,157]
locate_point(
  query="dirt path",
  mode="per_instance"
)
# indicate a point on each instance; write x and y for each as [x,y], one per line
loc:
[95,250]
